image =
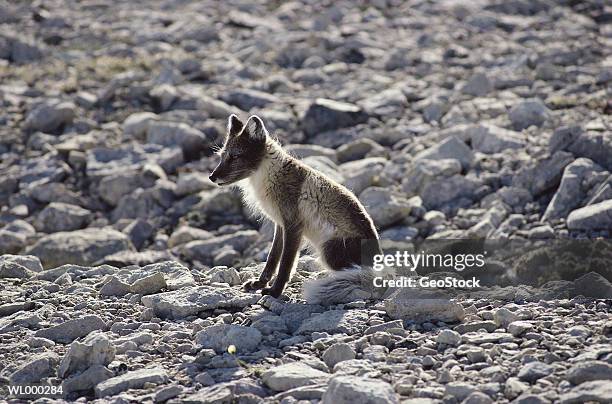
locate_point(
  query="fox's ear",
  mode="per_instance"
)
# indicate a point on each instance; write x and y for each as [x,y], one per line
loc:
[255,128]
[234,125]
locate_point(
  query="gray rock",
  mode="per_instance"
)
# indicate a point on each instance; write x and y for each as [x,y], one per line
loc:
[593,285]
[514,388]
[477,398]
[191,183]
[223,274]
[246,99]
[544,174]
[149,284]
[459,390]
[533,371]
[325,115]
[192,300]
[335,321]
[35,369]
[492,139]
[135,379]
[448,337]
[115,186]
[9,269]
[385,206]
[166,393]
[80,247]
[597,391]
[11,242]
[185,234]
[518,328]
[423,305]
[58,216]
[219,337]
[422,172]
[450,148]
[95,349]
[531,399]
[589,371]
[29,261]
[503,317]
[113,286]
[50,116]
[359,149]
[139,231]
[353,389]
[596,146]
[102,162]
[301,151]
[145,203]
[205,250]
[336,353]
[292,375]
[86,380]
[70,330]
[219,394]
[389,102]
[361,174]
[527,113]
[137,124]
[572,190]
[442,192]
[24,50]
[592,217]
[477,85]
[189,139]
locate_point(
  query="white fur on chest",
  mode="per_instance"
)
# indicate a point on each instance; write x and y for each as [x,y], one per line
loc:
[256,195]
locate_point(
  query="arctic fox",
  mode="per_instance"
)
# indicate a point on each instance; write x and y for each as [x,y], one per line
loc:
[303,203]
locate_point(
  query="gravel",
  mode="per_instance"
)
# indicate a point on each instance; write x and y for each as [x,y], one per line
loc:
[121,264]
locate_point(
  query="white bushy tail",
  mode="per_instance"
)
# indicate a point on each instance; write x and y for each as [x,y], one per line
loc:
[355,283]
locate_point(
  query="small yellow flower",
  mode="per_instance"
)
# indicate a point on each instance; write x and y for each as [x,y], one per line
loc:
[231,349]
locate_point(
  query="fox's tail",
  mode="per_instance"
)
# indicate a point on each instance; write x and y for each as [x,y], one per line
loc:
[355,283]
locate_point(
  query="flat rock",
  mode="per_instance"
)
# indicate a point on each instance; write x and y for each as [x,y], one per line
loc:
[95,349]
[354,389]
[589,371]
[423,305]
[36,368]
[135,379]
[533,371]
[220,337]
[335,321]
[325,115]
[598,391]
[592,217]
[81,247]
[292,375]
[70,330]
[192,300]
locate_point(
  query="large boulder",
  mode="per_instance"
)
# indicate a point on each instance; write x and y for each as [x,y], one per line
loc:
[325,115]
[355,389]
[81,247]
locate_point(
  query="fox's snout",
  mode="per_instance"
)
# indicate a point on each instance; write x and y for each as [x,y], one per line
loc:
[217,173]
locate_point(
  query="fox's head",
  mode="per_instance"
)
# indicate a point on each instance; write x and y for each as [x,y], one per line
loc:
[242,152]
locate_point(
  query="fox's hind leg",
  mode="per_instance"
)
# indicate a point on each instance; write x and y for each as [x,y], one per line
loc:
[271,263]
[341,253]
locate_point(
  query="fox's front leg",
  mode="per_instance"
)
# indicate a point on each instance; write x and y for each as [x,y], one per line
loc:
[292,238]
[271,263]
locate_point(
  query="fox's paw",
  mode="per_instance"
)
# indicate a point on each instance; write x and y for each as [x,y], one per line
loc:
[272,291]
[254,284]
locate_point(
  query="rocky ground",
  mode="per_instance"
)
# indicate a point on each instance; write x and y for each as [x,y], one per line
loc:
[120,279]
